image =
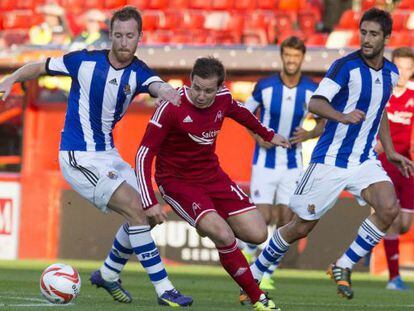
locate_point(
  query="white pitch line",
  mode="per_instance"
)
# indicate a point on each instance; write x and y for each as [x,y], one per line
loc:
[33,305]
[23,298]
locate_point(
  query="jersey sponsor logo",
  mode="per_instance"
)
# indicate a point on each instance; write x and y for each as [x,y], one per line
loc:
[311,209]
[127,89]
[210,134]
[402,117]
[113,82]
[219,116]
[207,138]
[187,119]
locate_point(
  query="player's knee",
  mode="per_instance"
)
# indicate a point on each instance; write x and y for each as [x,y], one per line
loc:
[225,237]
[302,230]
[404,228]
[133,212]
[389,211]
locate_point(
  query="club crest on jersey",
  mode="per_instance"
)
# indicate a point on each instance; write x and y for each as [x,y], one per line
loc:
[196,206]
[219,116]
[112,175]
[311,209]
[127,89]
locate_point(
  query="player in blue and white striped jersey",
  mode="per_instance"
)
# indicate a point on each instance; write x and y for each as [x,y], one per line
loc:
[281,101]
[352,96]
[104,82]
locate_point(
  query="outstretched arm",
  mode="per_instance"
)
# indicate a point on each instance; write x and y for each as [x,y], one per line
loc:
[165,91]
[27,72]
[404,164]
[301,135]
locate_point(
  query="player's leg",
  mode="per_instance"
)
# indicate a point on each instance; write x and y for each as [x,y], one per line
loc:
[369,183]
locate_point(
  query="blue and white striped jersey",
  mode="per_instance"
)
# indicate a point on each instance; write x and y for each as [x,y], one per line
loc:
[99,96]
[281,109]
[351,84]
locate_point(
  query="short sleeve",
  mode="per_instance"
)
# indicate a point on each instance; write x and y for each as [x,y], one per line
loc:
[336,78]
[66,65]
[145,76]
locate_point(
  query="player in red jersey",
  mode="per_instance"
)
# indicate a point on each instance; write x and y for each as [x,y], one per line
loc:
[190,178]
[400,111]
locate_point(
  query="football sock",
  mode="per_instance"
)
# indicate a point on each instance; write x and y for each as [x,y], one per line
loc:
[118,256]
[272,254]
[270,270]
[368,236]
[149,257]
[236,265]
[391,245]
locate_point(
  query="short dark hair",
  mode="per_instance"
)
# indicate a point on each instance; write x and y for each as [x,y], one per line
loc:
[208,67]
[379,16]
[405,52]
[294,43]
[126,13]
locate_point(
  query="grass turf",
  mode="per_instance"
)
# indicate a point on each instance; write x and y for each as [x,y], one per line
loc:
[210,287]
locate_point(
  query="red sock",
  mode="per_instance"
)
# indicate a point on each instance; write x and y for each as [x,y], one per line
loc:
[392,253]
[236,265]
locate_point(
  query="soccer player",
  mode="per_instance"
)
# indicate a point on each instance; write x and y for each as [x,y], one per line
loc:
[104,82]
[352,96]
[400,111]
[282,100]
[190,178]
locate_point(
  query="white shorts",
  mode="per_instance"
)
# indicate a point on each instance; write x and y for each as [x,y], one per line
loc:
[95,175]
[320,186]
[273,186]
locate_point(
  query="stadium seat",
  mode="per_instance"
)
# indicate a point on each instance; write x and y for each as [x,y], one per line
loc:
[349,20]
[316,39]
[26,4]
[267,4]
[245,5]
[169,20]
[400,18]
[355,40]
[179,4]
[367,4]
[235,23]
[158,4]
[140,4]
[114,4]
[200,4]
[339,38]
[227,37]
[92,4]
[400,38]
[7,4]
[22,19]
[224,5]
[193,20]
[406,4]
[157,37]
[150,20]
[307,21]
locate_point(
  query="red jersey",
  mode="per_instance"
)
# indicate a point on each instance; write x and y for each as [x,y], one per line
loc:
[400,111]
[184,140]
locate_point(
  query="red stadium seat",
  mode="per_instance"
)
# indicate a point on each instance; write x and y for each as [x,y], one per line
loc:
[92,4]
[158,4]
[114,4]
[307,21]
[236,23]
[26,4]
[193,20]
[355,39]
[224,5]
[349,20]
[7,4]
[140,4]
[406,4]
[157,37]
[367,4]
[150,20]
[179,4]
[200,4]
[227,37]
[245,5]
[401,38]
[267,4]
[18,19]
[399,19]
[316,39]
[170,19]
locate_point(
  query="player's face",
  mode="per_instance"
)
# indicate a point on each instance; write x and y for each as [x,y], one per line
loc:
[125,38]
[406,68]
[292,60]
[203,91]
[372,39]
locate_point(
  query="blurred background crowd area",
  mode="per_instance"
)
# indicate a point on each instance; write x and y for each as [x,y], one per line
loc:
[80,23]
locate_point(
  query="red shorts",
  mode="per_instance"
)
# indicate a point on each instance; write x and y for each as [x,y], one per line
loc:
[404,187]
[192,201]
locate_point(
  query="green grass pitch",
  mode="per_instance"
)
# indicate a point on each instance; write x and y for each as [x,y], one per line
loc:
[210,287]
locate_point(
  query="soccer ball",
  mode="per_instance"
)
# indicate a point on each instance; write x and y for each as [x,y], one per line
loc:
[60,283]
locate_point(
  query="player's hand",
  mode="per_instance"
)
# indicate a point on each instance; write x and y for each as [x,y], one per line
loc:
[262,143]
[5,88]
[404,164]
[168,93]
[354,117]
[279,140]
[156,215]
[299,135]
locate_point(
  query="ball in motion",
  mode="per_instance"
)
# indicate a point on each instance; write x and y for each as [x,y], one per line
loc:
[60,283]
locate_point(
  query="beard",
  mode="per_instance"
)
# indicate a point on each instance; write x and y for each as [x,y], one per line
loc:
[375,52]
[291,73]
[122,56]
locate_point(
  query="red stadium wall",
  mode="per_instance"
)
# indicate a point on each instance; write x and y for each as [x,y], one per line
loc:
[42,182]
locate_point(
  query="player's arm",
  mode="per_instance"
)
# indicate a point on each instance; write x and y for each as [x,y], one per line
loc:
[404,164]
[29,71]
[164,91]
[154,136]
[243,116]
[301,135]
